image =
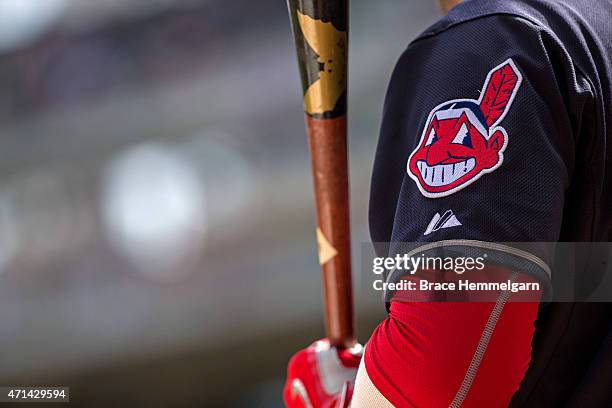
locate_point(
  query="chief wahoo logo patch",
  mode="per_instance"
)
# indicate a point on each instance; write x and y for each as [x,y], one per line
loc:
[462,139]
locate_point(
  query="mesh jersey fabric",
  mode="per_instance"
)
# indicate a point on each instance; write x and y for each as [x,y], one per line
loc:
[554,181]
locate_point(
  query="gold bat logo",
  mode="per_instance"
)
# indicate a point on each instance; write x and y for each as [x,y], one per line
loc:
[330,45]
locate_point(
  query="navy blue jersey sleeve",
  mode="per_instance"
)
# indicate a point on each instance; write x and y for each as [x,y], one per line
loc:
[476,140]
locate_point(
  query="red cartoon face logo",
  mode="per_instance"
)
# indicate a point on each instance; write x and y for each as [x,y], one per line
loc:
[461,140]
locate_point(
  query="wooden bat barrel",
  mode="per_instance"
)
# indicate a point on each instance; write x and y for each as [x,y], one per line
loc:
[320,30]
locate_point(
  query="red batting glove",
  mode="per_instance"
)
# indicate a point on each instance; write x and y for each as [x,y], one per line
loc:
[321,376]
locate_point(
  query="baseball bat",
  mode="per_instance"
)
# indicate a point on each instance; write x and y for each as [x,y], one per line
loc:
[320,29]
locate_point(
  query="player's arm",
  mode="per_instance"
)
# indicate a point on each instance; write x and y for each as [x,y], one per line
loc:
[476,146]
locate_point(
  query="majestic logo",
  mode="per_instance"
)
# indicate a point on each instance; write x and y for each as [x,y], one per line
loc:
[462,140]
[438,222]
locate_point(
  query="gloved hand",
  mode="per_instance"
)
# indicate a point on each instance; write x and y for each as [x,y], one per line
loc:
[321,376]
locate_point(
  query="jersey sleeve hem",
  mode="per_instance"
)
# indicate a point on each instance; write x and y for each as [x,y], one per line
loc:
[510,257]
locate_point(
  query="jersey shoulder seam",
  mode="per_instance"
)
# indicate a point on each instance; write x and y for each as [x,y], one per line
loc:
[529,20]
[436,31]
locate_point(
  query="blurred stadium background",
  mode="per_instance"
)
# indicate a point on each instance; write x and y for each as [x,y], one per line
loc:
[156,219]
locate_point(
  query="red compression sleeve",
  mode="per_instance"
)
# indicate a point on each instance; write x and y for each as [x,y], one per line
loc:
[435,354]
